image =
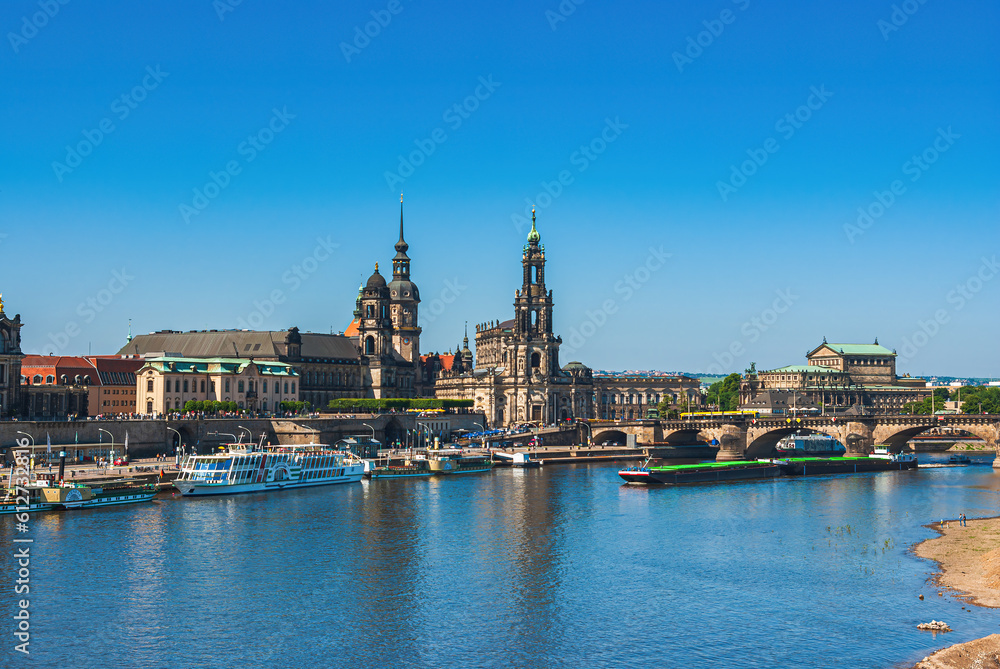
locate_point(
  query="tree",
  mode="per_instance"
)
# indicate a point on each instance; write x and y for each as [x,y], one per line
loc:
[725,393]
[982,399]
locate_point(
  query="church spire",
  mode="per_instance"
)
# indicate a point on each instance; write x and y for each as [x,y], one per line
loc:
[533,236]
[401,245]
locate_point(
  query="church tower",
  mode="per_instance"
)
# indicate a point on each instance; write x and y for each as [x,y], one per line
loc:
[403,300]
[10,364]
[375,330]
[538,354]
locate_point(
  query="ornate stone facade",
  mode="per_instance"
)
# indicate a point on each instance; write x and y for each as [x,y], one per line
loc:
[839,376]
[10,364]
[517,377]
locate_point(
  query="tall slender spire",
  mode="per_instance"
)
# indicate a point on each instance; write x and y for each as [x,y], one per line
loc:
[401,245]
[129,337]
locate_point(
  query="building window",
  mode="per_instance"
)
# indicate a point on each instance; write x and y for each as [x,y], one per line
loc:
[185,385]
[286,387]
[227,386]
[149,385]
[239,387]
[203,385]
[293,387]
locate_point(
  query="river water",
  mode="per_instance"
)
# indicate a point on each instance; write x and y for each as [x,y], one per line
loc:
[555,567]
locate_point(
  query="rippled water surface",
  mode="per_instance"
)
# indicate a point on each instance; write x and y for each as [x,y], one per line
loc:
[555,567]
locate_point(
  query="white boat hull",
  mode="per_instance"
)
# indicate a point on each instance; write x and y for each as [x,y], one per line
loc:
[201,488]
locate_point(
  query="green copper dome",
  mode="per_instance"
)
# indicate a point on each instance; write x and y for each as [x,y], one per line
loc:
[533,236]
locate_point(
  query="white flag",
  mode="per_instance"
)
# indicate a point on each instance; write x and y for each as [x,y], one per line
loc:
[48,442]
[126,442]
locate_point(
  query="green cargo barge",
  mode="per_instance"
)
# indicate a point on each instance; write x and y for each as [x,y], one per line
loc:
[703,472]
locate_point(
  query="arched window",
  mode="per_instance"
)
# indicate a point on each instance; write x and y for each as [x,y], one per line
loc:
[536,360]
[37,378]
[50,379]
[371,311]
[369,345]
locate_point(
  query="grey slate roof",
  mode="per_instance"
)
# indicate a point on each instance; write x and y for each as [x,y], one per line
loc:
[261,345]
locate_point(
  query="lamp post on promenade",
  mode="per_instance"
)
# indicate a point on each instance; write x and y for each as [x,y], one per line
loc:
[179,449]
[249,432]
[112,453]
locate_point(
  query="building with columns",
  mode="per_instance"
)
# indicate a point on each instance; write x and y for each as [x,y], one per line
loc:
[837,377]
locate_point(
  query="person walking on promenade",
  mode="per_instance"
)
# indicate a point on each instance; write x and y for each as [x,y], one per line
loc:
[962,518]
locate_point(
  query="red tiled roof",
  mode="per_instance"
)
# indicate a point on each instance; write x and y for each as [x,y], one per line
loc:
[352,329]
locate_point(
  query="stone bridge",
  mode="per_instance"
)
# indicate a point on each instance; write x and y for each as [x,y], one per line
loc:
[748,437]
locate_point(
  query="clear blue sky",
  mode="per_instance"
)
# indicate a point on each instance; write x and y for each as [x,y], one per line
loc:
[678,126]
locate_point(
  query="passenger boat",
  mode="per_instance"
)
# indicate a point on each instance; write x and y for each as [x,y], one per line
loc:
[80,496]
[242,467]
[809,445]
[453,461]
[959,460]
[30,500]
[700,473]
[409,469]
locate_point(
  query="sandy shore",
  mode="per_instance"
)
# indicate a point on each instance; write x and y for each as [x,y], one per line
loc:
[969,560]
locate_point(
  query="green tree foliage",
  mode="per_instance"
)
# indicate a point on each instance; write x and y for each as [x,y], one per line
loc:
[986,397]
[725,393]
[296,407]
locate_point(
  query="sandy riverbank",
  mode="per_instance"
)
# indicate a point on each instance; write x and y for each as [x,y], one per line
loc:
[969,562]
[969,559]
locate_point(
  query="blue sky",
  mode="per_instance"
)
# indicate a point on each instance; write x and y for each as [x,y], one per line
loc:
[660,256]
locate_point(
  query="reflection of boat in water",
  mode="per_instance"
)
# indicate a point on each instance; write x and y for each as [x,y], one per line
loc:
[245,468]
[809,445]
[959,460]
[703,472]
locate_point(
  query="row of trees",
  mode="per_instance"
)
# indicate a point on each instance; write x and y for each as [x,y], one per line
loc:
[975,399]
[212,406]
[398,403]
[215,406]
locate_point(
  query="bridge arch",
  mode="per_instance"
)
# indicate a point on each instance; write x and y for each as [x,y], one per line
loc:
[686,437]
[763,444]
[611,437]
[896,436]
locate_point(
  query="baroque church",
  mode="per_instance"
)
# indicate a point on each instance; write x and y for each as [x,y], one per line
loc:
[515,376]
[377,356]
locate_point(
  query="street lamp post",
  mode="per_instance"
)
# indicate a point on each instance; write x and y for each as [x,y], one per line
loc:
[249,432]
[428,431]
[370,428]
[179,449]
[111,456]
[590,432]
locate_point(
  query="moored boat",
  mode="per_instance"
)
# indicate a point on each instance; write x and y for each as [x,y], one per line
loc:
[80,496]
[409,469]
[239,468]
[26,499]
[703,472]
[959,460]
[880,460]
[456,462]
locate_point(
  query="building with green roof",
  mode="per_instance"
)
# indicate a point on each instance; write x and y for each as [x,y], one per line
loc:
[840,376]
